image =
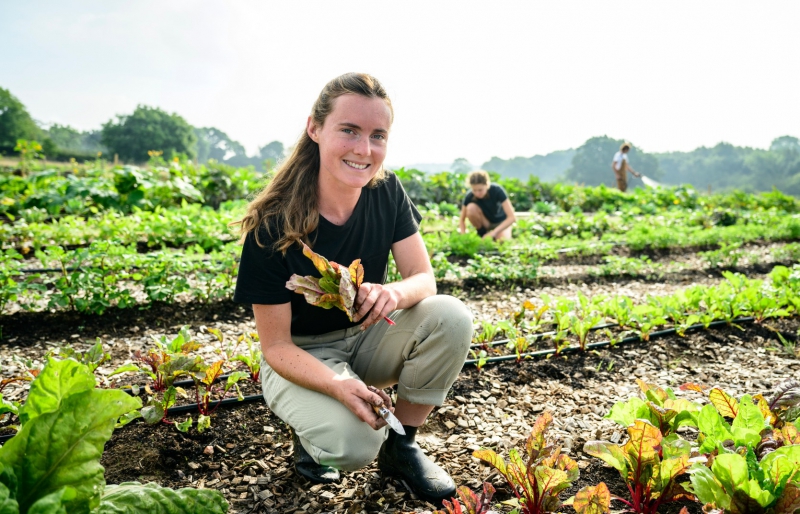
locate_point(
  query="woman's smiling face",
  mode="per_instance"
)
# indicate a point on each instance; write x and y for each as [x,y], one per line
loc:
[352,140]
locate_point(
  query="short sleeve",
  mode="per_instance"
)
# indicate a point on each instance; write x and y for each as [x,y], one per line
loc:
[262,273]
[408,217]
[502,196]
[468,198]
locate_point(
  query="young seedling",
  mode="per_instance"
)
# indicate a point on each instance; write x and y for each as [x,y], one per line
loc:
[252,358]
[480,358]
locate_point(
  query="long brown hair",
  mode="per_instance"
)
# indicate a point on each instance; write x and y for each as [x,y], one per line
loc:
[289,202]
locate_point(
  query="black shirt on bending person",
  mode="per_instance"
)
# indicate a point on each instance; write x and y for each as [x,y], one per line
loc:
[383,216]
[491,204]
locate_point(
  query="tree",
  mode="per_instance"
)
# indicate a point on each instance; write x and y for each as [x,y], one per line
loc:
[591,164]
[270,154]
[212,143]
[784,143]
[461,165]
[149,128]
[67,138]
[15,122]
[548,167]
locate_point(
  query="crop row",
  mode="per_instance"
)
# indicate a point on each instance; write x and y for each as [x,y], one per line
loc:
[745,458]
[560,323]
[87,190]
[107,274]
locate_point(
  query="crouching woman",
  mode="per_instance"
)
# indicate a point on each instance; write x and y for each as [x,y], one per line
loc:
[333,194]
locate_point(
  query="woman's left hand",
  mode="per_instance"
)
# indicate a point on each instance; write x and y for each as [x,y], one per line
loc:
[381,299]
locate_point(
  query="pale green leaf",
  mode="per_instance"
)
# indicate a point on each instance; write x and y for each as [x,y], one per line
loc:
[135,498]
[58,380]
[63,448]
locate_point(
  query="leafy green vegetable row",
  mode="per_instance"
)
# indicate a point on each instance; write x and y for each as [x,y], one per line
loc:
[102,275]
[53,463]
[188,224]
[88,190]
[746,458]
[561,322]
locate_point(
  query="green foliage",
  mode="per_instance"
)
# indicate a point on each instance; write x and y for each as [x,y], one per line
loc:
[135,498]
[15,122]
[739,484]
[53,463]
[149,128]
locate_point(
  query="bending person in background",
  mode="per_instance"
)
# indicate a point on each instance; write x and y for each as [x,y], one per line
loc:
[487,207]
[320,370]
[621,167]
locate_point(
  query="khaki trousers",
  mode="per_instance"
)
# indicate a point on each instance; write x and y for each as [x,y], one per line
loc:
[423,354]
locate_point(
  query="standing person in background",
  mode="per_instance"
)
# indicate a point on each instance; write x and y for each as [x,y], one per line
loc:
[621,166]
[488,208]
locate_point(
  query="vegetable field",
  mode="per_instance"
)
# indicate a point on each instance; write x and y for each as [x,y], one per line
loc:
[631,351]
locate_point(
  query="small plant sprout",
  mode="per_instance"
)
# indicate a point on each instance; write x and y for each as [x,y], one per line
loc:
[480,358]
[252,358]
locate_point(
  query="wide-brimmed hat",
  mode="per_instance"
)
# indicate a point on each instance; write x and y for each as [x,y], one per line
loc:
[626,143]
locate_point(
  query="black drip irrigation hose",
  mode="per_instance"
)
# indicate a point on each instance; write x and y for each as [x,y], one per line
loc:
[540,354]
[191,407]
[536,337]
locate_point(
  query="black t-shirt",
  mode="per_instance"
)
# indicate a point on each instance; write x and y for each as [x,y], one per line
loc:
[383,216]
[491,204]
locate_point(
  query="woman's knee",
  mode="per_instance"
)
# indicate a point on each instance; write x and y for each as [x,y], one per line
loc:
[359,445]
[452,316]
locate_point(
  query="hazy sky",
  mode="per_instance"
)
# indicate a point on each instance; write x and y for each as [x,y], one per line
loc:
[467,78]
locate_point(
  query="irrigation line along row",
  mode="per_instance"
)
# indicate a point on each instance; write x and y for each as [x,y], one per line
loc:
[536,337]
[539,354]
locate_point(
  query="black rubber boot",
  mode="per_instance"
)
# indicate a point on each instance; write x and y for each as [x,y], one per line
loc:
[401,457]
[305,466]
[482,232]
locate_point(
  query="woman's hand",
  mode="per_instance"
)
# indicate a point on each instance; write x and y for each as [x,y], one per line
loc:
[356,396]
[462,229]
[377,300]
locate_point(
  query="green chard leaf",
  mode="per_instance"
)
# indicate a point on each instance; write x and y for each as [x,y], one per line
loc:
[625,413]
[136,498]
[63,448]
[57,381]
[54,503]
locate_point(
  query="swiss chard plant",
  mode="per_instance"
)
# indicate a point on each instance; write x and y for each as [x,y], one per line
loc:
[749,419]
[53,463]
[336,288]
[739,484]
[206,388]
[537,479]
[473,504]
[167,362]
[252,357]
[650,465]
[660,407]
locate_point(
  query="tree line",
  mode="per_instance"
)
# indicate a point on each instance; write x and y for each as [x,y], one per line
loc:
[130,137]
[723,167]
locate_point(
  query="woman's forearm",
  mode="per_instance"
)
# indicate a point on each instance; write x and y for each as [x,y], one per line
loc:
[300,367]
[411,290]
[510,220]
